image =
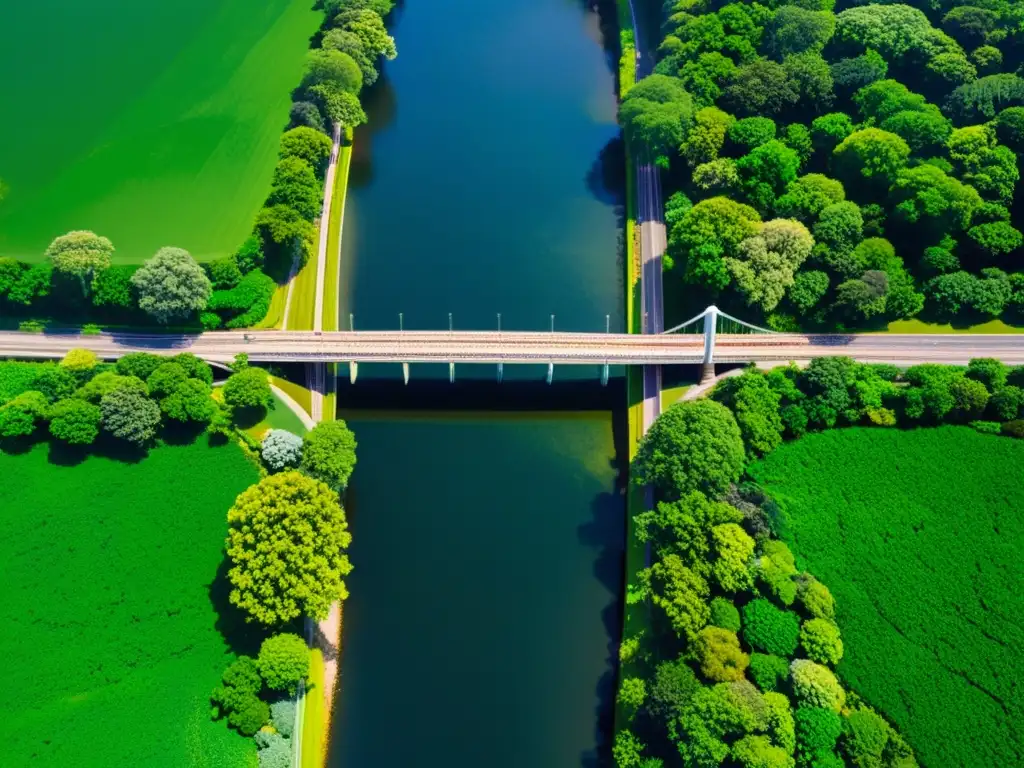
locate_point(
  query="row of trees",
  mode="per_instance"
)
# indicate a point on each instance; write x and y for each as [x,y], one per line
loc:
[736,668]
[839,169]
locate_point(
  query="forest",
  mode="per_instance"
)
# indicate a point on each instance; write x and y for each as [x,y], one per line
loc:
[839,165]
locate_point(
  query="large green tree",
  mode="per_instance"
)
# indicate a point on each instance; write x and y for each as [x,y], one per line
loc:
[286,544]
[656,114]
[172,286]
[81,255]
[329,453]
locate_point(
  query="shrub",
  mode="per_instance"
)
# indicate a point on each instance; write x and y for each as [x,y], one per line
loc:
[769,629]
[775,569]
[282,716]
[1014,428]
[329,453]
[817,730]
[275,752]
[244,675]
[680,593]
[816,686]
[130,416]
[223,273]
[989,371]
[1005,403]
[166,378]
[725,615]
[56,382]
[868,740]
[194,367]
[138,364]
[821,641]
[76,422]
[249,388]
[987,427]
[759,752]
[191,401]
[281,450]
[733,549]
[283,661]
[673,687]
[106,382]
[20,415]
[970,398]
[768,672]
[718,653]
[816,598]
[249,714]
[693,446]
[632,692]
[247,303]
[626,750]
[80,361]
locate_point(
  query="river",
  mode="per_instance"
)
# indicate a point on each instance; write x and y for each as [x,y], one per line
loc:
[488,520]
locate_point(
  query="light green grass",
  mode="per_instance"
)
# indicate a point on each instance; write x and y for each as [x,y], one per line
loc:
[152,124]
[313,724]
[303,304]
[918,534]
[278,416]
[275,315]
[298,393]
[919,326]
[672,395]
[334,234]
[109,638]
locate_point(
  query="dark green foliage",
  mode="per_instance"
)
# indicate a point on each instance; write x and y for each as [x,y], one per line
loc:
[224,273]
[1006,402]
[295,186]
[655,114]
[839,491]
[768,672]
[808,289]
[20,415]
[1010,128]
[247,303]
[724,614]
[165,378]
[250,254]
[692,446]
[249,388]
[189,401]
[328,452]
[309,145]
[817,731]
[762,87]
[751,132]
[980,101]
[671,690]
[755,406]
[852,74]
[113,287]
[138,364]
[56,382]
[1014,428]
[305,113]
[770,629]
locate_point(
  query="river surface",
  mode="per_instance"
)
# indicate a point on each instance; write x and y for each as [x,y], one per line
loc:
[487,547]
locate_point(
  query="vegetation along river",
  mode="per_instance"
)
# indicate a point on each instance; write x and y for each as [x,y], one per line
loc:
[487,538]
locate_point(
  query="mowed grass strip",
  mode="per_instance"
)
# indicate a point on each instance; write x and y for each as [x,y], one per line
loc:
[166,134]
[919,535]
[110,637]
[334,234]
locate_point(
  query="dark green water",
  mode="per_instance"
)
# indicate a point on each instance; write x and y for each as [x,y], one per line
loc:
[485,602]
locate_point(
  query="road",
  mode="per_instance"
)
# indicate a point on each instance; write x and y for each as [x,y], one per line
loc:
[650,217]
[522,347]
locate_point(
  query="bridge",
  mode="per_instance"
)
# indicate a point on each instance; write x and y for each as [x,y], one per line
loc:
[710,337]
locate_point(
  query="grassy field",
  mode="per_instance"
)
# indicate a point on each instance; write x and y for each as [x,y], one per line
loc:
[337,221]
[919,326]
[110,639]
[919,534]
[164,134]
[313,724]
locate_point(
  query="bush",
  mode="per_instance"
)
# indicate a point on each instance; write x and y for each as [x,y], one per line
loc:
[80,361]
[76,422]
[1014,428]
[244,675]
[733,549]
[249,388]
[329,453]
[283,661]
[224,273]
[673,687]
[106,382]
[769,629]
[817,730]
[775,569]
[725,615]
[56,382]
[130,416]
[631,696]
[768,672]
[138,364]
[718,653]
[165,379]
[693,446]
[816,598]
[816,686]
[759,752]
[282,716]
[987,427]
[281,450]
[868,740]
[20,415]
[1005,403]
[275,752]
[247,303]
[249,714]
[821,641]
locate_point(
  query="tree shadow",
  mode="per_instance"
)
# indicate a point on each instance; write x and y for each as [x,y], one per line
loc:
[63,455]
[241,636]
[606,178]
[248,417]
[181,433]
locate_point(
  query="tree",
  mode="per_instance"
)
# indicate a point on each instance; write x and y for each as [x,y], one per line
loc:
[810,75]
[693,446]
[808,196]
[281,450]
[684,527]
[631,695]
[969,26]
[165,378]
[995,239]
[925,132]
[56,382]
[719,656]
[816,686]
[341,107]
[871,154]
[991,372]
[762,87]
[295,185]
[627,750]
[970,398]
[307,144]
[80,362]
[821,641]
[767,262]
[189,401]
[980,101]
[768,672]
[751,132]
[113,288]
[705,139]
[894,31]
[733,551]
[949,293]
[679,593]
[755,406]
[81,255]
[766,171]
[20,415]
[76,422]
[817,731]
[369,28]
[672,689]
[106,382]
[849,75]
[285,228]
[868,740]
[769,629]
[350,43]
[33,283]
[138,364]
[306,113]
[656,114]
[249,388]
[863,298]
[1009,125]
[758,752]
[793,29]
[816,599]
[708,232]
[286,541]
[839,229]
[724,614]
[130,416]
[884,99]
[985,164]
[171,285]
[329,453]
[925,195]
[703,77]
[988,59]
[283,661]
[334,70]
[808,289]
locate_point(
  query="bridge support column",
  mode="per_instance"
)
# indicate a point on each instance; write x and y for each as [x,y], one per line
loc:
[604,375]
[551,372]
[501,372]
[405,373]
[451,373]
[707,370]
[353,372]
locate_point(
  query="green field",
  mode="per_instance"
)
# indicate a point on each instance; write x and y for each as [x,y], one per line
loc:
[919,536]
[109,639]
[152,124]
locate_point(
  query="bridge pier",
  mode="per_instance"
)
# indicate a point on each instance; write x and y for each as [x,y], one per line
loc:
[353,372]
[604,375]
[451,373]
[551,372]
[405,373]
[501,372]
[707,372]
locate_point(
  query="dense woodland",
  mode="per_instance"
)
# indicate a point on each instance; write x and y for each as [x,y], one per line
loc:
[736,666]
[840,164]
